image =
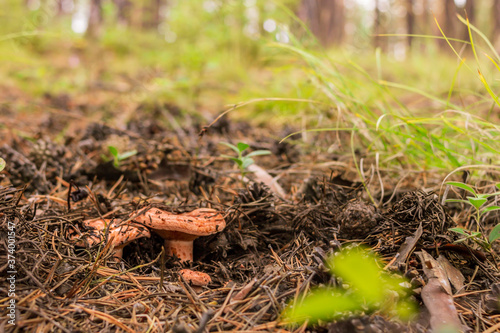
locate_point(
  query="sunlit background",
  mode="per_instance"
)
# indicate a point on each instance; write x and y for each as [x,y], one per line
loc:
[349,22]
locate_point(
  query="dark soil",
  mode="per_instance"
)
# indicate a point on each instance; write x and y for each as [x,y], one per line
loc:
[272,249]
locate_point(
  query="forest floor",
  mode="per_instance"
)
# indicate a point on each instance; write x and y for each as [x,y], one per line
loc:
[274,247]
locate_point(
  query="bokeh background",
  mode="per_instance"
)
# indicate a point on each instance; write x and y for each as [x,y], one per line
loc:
[305,64]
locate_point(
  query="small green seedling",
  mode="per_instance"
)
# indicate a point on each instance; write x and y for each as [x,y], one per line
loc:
[117,157]
[472,235]
[370,289]
[2,164]
[477,201]
[243,161]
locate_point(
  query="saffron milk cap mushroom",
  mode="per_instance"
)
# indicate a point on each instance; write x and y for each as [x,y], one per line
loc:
[179,230]
[197,280]
[194,278]
[120,234]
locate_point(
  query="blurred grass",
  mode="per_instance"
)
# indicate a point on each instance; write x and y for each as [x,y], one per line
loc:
[452,126]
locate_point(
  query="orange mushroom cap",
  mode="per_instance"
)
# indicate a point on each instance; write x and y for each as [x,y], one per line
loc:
[119,234]
[179,230]
[194,278]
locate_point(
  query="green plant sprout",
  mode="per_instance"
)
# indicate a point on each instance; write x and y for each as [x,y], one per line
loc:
[243,161]
[2,164]
[370,289]
[477,201]
[117,156]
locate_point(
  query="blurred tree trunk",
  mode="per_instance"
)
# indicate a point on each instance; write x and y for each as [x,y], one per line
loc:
[426,17]
[95,19]
[136,13]
[495,36]
[325,18]
[376,26]
[123,9]
[426,24]
[60,8]
[448,22]
[410,22]
[151,14]
[378,41]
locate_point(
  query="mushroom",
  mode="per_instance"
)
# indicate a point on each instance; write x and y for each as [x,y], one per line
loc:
[180,230]
[195,279]
[119,234]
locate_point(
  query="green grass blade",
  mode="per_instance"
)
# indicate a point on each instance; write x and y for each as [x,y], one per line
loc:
[420,92]
[472,41]
[447,40]
[483,36]
[486,85]
[493,61]
[453,82]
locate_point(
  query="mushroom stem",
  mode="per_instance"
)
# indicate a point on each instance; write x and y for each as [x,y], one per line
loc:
[118,253]
[182,249]
[179,230]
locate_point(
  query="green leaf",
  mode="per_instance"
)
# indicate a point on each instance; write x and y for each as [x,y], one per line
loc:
[489,209]
[477,202]
[258,153]
[360,269]
[498,185]
[488,195]
[460,231]
[406,309]
[494,234]
[465,232]
[247,161]
[323,304]
[237,161]
[127,154]
[458,200]
[113,151]
[369,288]
[242,146]
[463,187]
[233,147]
[461,240]
[2,164]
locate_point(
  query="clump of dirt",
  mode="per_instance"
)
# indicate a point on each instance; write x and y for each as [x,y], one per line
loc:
[358,219]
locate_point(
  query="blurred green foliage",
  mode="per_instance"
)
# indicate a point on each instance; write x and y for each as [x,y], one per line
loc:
[365,288]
